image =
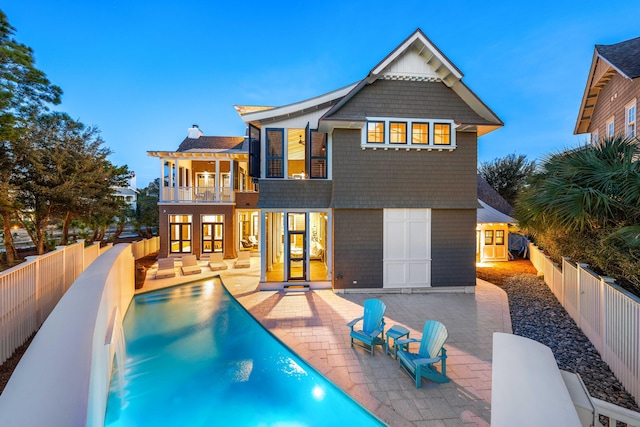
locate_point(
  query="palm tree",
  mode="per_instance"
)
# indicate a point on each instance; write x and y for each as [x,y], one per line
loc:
[585,203]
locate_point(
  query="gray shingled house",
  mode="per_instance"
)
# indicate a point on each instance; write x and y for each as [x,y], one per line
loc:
[609,102]
[374,185]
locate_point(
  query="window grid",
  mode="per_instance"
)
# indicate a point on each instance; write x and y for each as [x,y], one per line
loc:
[375,132]
[420,134]
[611,127]
[398,132]
[630,114]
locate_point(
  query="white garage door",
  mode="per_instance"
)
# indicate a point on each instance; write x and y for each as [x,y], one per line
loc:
[407,248]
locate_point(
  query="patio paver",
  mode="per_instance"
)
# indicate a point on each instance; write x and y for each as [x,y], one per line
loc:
[313,324]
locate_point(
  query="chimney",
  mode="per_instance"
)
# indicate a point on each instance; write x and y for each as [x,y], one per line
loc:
[194,132]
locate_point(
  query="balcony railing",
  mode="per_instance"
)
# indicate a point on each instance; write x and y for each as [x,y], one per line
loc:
[197,194]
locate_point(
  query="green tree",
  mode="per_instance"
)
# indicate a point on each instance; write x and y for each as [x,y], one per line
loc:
[24,90]
[65,173]
[585,203]
[508,175]
[147,215]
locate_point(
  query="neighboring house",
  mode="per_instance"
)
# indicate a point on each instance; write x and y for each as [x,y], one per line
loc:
[374,185]
[609,103]
[207,201]
[492,224]
[128,194]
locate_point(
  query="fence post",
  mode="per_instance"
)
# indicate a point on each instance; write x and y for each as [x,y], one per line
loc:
[564,280]
[604,281]
[36,280]
[64,265]
[581,267]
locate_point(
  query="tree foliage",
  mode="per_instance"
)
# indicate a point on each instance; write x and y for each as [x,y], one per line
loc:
[147,215]
[24,91]
[585,203]
[507,175]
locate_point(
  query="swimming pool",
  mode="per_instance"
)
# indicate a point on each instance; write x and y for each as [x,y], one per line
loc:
[195,357]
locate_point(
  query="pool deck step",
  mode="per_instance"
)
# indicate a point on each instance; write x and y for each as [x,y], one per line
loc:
[298,287]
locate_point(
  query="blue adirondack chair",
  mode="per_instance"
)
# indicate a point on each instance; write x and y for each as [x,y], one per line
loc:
[431,351]
[372,332]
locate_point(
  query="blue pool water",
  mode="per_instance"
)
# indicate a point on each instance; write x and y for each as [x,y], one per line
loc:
[195,357]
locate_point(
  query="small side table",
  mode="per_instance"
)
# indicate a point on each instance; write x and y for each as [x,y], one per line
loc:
[395,332]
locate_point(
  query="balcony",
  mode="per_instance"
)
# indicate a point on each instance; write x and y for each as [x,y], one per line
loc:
[197,195]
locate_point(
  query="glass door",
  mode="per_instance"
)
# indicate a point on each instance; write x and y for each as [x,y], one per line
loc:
[297,255]
[297,251]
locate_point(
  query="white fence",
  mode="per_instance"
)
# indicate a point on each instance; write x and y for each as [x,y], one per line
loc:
[76,348]
[30,291]
[607,314]
[145,247]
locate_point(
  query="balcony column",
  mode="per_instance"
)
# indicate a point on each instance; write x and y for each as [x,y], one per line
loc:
[161,195]
[176,189]
[216,181]
[231,181]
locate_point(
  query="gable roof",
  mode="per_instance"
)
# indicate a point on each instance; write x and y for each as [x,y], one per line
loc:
[418,59]
[212,143]
[622,58]
[491,197]
[488,215]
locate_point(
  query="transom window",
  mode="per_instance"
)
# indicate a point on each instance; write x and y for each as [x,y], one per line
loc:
[630,119]
[427,134]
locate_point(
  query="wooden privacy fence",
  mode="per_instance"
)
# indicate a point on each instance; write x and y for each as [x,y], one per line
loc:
[607,314]
[30,291]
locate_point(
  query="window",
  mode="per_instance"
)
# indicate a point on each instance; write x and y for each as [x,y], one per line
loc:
[499,237]
[610,127]
[179,234]
[275,153]
[595,137]
[420,133]
[630,119]
[398,133]
[318,155]
[375,132]
[442,134]
[426,134]
[488,237]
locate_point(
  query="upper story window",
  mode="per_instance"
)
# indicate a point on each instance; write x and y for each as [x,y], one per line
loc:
[295,153]
[375,132]
[611,129]
[275,153]
[426,134]
[630,119]
[398,132]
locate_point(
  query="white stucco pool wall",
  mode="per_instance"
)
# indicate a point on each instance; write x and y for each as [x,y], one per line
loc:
[63,378]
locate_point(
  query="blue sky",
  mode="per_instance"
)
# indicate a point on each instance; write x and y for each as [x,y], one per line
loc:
[143,71]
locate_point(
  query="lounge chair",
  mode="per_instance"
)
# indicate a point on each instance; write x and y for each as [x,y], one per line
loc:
[165,268]
[190,265]
[216,262]
[244,260]
[431,351]
[372,332]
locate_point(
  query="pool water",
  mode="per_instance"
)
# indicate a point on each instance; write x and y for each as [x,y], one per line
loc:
[195,357]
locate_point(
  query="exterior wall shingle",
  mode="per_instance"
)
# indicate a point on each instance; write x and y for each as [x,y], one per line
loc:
[453,242]
[403,179]
[295,193]
[411,99]
[357,254]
